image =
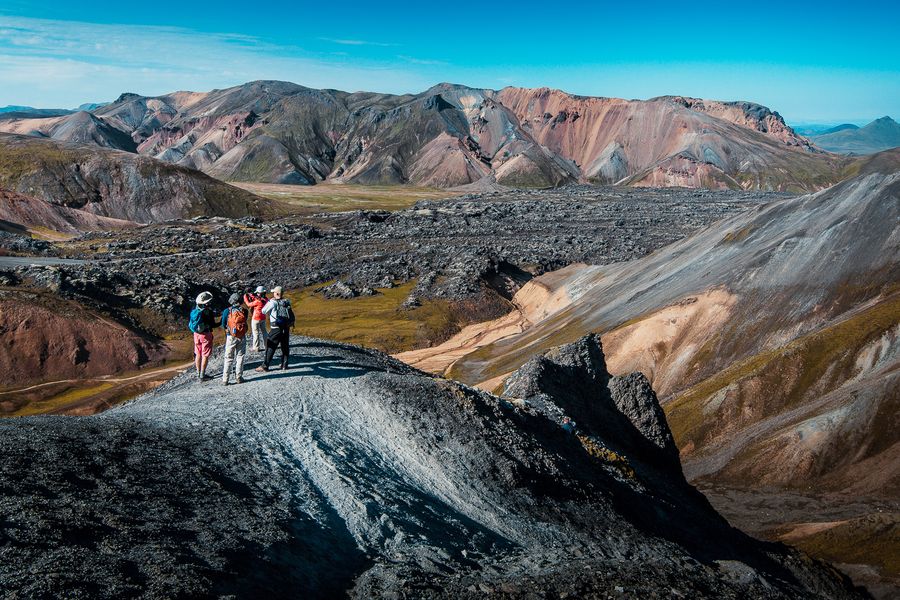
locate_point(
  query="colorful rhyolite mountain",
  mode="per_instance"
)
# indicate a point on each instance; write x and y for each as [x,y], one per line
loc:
[452,135]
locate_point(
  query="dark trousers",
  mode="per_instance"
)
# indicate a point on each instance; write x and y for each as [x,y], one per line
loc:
[278,337]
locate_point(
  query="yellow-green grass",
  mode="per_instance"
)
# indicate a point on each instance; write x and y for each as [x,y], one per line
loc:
[374,321]
[75,393]
[869,540]
[821,360]
[337,197]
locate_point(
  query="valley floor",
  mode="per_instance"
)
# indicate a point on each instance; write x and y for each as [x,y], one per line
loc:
[861,535]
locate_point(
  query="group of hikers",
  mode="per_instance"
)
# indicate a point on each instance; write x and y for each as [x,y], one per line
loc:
[237,320]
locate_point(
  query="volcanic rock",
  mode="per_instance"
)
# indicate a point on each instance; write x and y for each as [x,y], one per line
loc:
[353,474]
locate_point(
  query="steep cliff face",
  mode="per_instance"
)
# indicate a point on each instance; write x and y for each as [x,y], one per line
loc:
[451,135]
[353,474]
[114,184]
[26,213]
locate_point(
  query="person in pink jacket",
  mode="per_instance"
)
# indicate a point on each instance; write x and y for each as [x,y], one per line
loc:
[255,301]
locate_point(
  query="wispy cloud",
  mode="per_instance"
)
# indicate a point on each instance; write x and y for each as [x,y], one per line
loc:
[61,64]
[345,42]
[422,61]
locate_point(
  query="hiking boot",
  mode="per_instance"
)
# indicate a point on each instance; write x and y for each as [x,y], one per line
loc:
[261,369]
[240,380]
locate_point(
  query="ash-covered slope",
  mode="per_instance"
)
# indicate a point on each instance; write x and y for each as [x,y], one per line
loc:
[354,474]
[116,184]
[452,135]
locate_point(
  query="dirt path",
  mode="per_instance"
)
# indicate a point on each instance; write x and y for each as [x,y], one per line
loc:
[103,379]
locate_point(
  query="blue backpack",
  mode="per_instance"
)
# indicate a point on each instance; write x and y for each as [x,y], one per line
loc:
[196,323]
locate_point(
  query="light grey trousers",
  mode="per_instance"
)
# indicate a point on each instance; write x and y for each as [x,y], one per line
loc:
[235,349]
[259,335]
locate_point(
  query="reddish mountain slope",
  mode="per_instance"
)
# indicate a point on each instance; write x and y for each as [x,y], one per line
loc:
[30,213]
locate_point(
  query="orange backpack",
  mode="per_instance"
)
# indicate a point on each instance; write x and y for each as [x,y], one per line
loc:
[237,322]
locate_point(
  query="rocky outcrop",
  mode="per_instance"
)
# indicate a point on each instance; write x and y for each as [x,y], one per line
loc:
[354,475]
[574,381]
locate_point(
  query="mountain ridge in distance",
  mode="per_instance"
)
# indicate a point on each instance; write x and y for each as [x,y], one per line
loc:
[881,134]
[453,135]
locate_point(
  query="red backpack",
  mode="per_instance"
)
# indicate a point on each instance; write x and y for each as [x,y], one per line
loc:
[237,322]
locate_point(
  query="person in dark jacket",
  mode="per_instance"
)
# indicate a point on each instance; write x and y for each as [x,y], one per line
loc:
[281,319]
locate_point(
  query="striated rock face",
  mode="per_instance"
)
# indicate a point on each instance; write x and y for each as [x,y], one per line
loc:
[352,474]
[453,135]
[25,213]
[114,184]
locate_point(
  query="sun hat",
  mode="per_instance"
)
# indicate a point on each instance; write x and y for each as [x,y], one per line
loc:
[234,299]
[260,289]
[204,298]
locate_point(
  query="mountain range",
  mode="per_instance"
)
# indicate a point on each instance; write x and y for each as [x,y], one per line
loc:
[880,134]
[451,135]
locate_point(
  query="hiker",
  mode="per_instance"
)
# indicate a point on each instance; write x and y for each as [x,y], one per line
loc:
[234,322]
[255,301]
[202,323]
[281,319]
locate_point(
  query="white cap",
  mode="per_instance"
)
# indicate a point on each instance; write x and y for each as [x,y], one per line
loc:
[276,290]
[260,289]
[204,298]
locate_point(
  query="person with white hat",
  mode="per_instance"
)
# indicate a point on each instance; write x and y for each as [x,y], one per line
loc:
[256,301]
[202,323]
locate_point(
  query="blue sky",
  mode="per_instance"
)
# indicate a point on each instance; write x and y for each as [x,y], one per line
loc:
[811,61]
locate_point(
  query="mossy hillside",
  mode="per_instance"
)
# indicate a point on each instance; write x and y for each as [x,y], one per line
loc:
[24,157]
[871,540]
[813,364]
[331,197]
[377,321]
[73,394]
